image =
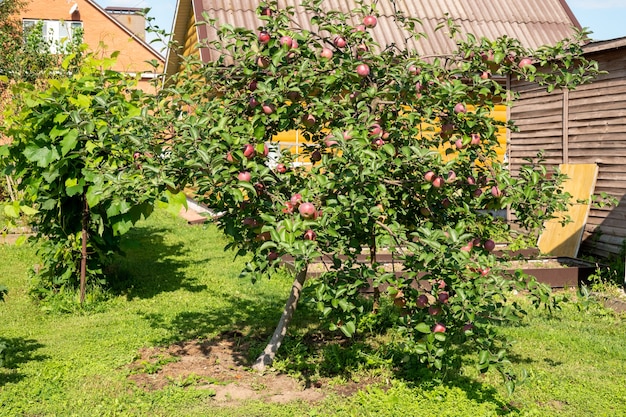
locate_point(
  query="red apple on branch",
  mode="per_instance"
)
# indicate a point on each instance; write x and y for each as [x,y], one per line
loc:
[253,102]
[370,21]
[524,62]
[439,328]
[244,176]
[413,70]
[307,210]
[363,70]
[263,237]
[263,62]
[340,42]
[434,310]
[250,222]
[308,120]
[310,235]
[326,53]
[438,182]
[316,156]
[422,301]
[296,199]
[330,141]
[264,37]
[248,151]
[286,41]
[376,130]
[289,206]
[268,108]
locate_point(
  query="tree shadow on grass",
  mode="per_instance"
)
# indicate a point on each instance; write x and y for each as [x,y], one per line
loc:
[15,352]
[151,266]
[253,317]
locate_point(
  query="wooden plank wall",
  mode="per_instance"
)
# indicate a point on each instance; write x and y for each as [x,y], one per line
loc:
[586,125]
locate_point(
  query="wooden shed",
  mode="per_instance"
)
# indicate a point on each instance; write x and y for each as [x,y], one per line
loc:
[582,126]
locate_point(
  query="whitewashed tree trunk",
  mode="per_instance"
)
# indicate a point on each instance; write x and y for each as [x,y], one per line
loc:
[267,357]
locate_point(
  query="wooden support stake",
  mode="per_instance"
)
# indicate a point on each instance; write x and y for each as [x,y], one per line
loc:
[83,260]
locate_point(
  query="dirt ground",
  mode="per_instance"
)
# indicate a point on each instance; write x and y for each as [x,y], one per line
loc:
[221,365]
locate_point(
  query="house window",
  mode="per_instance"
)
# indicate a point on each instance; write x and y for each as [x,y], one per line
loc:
[56,33]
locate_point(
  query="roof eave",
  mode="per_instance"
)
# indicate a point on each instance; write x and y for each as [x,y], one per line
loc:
[143,43]
[179,31]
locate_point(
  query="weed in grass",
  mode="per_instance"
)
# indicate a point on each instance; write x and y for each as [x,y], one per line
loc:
[186,381]
[152,367]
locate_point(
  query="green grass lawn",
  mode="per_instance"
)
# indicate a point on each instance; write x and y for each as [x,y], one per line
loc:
[182,286]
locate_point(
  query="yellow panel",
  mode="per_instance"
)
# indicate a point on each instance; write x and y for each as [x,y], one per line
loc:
[558,240]
[295,140]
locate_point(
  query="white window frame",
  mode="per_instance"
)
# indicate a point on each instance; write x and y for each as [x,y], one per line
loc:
[55,32]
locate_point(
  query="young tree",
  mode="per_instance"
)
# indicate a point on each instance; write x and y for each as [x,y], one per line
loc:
[78,151]
[402,152]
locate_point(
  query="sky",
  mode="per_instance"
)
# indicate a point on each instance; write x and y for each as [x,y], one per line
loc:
[605,18]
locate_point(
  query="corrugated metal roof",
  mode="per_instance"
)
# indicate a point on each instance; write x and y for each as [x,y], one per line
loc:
[532,22]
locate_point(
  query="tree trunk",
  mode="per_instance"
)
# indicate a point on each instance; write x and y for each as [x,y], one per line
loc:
[267,357]
[83,259]
[376,304]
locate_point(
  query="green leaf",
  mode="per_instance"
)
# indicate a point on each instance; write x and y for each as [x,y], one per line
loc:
[204,156]
[29,211]
[259,131]
[73,186]
[389,149]
[94,195]
[121,226]
[82,101]
[483,358]
[55,132]
[69,142]
[43,156]
[12,210]
[348,329]
[423,328]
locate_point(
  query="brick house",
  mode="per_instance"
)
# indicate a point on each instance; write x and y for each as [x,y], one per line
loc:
[106,30]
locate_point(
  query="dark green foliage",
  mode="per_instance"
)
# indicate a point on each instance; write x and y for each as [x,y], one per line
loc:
[77,151]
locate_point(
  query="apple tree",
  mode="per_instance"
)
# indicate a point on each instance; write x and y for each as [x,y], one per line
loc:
[399,155]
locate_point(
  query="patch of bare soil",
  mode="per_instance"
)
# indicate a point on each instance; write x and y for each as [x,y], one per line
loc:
[221,365]
[614,301]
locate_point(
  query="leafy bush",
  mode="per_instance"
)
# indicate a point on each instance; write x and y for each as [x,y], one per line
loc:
[77,154]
